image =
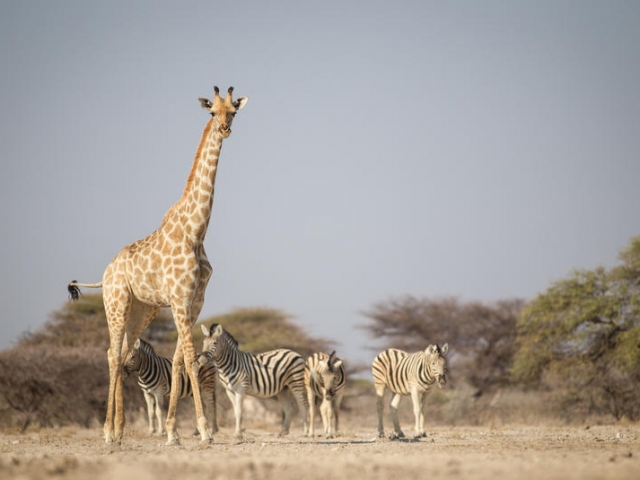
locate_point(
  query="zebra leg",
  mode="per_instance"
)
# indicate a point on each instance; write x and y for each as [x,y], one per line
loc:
[311,427]
[209,405]
[284,397]
[161,408]
[302,400]
[150,400]
[237,409]
[336,412]
[380,408]
[418,401]
[327,417]
[395,401]
[422,413]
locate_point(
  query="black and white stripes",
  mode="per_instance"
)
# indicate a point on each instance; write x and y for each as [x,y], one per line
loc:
[325,380]
[408,374]
[154,379]
[264,375]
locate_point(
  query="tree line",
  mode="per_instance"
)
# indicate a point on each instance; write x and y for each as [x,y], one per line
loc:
[578,341]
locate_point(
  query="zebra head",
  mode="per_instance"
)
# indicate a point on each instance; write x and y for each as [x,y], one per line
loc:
[327,376]
[437,362]
[132,361]
[215,340]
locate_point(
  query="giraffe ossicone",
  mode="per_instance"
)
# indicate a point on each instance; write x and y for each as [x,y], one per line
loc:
[168,268]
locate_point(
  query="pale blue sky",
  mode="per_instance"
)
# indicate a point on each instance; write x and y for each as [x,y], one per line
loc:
[479,149]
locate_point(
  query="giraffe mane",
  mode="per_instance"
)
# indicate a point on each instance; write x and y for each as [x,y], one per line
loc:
[192,172]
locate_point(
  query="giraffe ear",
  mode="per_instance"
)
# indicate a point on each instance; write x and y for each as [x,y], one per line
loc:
[240,102]
[205,103]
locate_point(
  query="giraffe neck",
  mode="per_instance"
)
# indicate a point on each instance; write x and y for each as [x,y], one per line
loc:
[193,210]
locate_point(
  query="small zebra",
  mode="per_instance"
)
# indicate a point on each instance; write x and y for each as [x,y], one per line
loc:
[324,379]
[154,379]
[264,375]
[408,374]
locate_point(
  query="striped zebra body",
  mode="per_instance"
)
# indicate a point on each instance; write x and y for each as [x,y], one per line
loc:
[408,374]
[324,379]
[154,379]
[264,375]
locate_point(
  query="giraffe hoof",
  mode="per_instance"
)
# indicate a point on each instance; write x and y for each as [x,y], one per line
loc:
[173,442]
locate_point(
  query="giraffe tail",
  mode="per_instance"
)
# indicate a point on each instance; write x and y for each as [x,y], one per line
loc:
[74,290]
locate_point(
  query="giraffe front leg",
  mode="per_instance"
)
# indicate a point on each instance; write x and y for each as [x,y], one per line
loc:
[118,426]
[114,356]
[170,424]
[206,432]
[193,370]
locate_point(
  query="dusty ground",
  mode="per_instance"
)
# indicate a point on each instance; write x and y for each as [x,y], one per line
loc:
[461,452]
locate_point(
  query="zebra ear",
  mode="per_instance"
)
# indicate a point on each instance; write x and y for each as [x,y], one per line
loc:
[444,349]
[205,330]
[337,364]
[218,331]
[136,345]
[431,349]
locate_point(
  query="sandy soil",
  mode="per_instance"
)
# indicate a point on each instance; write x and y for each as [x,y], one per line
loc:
[461,452]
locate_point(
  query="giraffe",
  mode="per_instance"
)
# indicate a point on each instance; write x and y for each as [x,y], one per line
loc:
[168,268]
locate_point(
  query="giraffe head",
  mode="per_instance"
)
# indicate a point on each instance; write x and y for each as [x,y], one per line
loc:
[223,110]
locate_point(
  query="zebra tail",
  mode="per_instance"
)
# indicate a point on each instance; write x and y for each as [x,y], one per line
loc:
[74,290]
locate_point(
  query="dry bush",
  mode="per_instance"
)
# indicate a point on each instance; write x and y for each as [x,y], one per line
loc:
[50,386]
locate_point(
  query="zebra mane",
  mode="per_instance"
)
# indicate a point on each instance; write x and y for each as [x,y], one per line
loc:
[146,346]
[226,334]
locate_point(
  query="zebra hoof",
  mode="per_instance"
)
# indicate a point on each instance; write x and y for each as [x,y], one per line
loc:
[173,442]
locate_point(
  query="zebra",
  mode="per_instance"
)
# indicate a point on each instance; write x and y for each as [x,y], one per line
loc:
[264,375]
[324,379]
[408,374]
[154,379]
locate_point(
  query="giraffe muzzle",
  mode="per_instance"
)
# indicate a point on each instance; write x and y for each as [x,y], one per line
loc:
[224,130]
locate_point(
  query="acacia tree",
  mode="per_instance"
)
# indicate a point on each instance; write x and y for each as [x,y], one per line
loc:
[581,337]
[480,336]
[261,329]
